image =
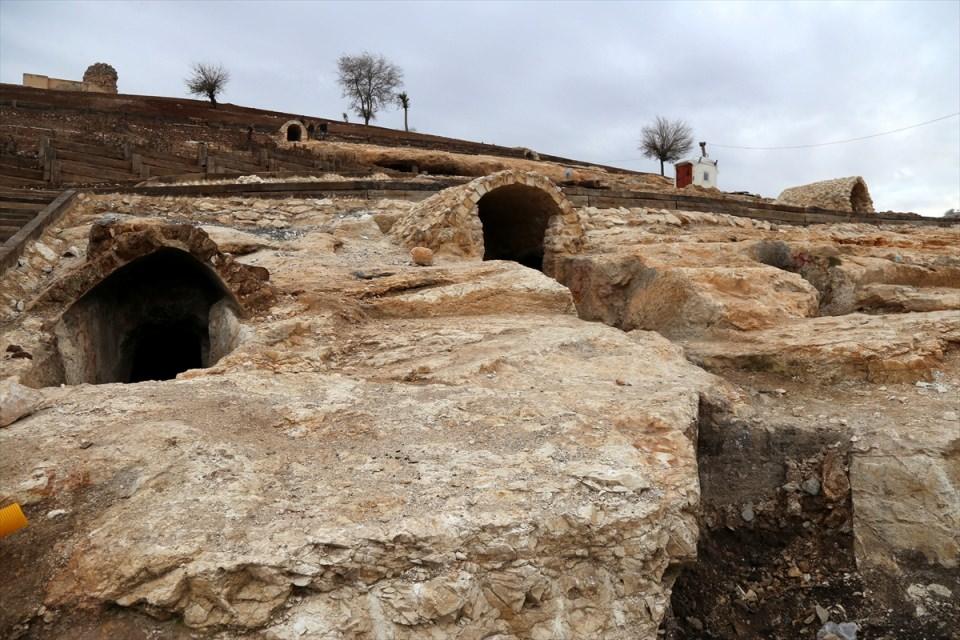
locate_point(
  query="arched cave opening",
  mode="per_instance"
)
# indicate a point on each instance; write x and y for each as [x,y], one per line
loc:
[860,201]
[294,133]
[515,219]
[160,315]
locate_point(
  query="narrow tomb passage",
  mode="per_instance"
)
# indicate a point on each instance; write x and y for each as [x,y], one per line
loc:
[150,320]
[515,219]
[293,133]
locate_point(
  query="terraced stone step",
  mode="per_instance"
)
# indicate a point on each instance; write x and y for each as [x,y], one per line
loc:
[14,181]
[26,195]
[13,205]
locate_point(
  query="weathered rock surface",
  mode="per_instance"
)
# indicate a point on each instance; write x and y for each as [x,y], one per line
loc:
[16,401]
[397,475]
[388,450]
[653,290]
[447,451]
[900,299]
[898,348]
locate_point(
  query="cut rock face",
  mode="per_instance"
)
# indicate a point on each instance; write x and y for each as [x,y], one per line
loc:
[899,348]
[408,485]
[396,451]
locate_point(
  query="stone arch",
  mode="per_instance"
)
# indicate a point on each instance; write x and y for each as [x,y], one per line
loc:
[293,131]
[841,194]
[508,215]
[151,301]
[860,200]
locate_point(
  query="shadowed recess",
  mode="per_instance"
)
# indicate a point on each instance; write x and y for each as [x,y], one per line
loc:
[150,320]
[515,219]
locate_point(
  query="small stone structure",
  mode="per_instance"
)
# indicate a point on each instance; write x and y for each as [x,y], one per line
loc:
[701,172]
[114,244]
[293,131]
[841,194]
[508,215]
[99,77]
[103,75]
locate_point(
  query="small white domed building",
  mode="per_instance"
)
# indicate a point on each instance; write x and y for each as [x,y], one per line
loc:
[701,172]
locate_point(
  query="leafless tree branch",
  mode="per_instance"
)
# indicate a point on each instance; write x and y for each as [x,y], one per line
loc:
[208,80]
[370,82]
[666,140]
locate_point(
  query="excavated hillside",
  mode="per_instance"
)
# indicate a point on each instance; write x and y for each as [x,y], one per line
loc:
[494,406]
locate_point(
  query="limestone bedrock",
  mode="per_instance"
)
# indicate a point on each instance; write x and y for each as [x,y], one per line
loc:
[390,451]
[394,451]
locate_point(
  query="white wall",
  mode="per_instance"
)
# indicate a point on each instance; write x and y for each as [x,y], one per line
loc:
[705,174]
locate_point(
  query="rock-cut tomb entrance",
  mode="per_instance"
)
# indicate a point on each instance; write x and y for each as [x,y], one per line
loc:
[508,215]
[152,301]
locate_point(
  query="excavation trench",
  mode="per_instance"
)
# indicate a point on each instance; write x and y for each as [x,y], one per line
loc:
[776,547]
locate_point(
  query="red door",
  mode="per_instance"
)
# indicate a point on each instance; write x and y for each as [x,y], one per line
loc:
[684,175]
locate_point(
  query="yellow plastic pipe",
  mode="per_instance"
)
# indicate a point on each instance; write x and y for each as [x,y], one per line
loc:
[11,519]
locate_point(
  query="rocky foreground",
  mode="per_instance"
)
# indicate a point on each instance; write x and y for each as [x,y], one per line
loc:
[463,451]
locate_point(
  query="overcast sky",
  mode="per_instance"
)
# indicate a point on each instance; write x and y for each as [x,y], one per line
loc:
[571,79]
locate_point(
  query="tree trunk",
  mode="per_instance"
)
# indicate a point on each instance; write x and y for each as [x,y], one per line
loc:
[405,127]
[661,166]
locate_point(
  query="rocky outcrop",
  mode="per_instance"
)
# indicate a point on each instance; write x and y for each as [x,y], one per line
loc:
[853,283]
[654,290]
[393,476]
[897,348]
[448,451]
[406,451]
[902,298]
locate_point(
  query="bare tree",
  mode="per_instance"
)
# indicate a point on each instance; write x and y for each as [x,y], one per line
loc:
[208,80]
[666,140]
[404,101]
[369,81]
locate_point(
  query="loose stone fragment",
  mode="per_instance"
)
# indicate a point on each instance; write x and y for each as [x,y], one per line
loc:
[421,256]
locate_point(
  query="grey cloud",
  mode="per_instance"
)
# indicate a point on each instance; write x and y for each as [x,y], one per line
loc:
[572,79]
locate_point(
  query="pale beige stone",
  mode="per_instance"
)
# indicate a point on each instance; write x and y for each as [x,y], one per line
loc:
[421,256]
